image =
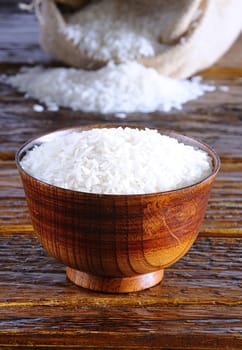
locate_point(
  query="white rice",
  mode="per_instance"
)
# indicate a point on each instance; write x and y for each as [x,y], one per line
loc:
[117,161]
[125,88]
[113,31]
[119,30]
[116,30]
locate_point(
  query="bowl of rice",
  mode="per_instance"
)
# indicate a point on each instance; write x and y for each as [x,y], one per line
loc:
[116,204]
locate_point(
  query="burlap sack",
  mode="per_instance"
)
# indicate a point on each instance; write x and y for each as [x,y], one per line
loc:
[190,44]
[215,31]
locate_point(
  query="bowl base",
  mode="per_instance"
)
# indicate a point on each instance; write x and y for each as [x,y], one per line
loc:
[114,284]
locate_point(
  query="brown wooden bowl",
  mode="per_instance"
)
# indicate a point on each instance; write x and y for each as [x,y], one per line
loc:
[116,243]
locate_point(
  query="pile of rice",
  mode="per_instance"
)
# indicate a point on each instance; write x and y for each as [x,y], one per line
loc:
[117,32]
[124,88]
[117,161]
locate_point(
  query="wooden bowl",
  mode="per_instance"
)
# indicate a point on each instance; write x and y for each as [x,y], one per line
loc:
[116,243]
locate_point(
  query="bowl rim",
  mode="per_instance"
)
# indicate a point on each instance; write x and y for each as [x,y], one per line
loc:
[187,140]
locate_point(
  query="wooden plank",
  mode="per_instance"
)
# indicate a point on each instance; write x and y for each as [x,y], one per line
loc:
[209,273]
[185,339]
[20,42]
[14,211]
[124,328]
[221,130]
[224,212]
[199,300]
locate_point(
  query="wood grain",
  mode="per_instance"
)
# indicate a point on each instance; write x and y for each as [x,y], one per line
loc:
[28,269]
[199,304]
[39,305]
[223,216]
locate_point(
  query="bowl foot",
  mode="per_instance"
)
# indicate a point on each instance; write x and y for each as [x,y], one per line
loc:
[114,284]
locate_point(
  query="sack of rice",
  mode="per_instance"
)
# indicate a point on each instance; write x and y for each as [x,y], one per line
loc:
[176,37]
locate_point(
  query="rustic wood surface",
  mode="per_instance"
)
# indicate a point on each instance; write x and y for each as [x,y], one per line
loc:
[199,303]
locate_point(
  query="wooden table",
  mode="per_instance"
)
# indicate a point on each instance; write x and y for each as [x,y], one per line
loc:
[198,304]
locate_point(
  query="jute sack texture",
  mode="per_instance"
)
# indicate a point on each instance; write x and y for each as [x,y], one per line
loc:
[188,45]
